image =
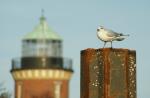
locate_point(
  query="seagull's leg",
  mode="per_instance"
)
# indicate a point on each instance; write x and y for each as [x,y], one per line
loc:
[104,44]
[111,44]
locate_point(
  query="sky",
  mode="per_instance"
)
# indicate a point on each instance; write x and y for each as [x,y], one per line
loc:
[76,21]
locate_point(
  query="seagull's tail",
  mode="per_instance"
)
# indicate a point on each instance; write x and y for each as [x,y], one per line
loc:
[126,35]
[121,37]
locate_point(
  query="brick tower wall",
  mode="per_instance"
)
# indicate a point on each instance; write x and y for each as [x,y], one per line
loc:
[41,88]
[41,83]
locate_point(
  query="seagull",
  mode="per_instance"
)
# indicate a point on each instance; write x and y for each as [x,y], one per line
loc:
[107,35]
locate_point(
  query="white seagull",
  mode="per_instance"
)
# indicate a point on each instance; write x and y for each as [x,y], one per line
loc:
[107,35]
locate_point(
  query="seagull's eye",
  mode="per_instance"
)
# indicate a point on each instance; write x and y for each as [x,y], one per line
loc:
[97,29]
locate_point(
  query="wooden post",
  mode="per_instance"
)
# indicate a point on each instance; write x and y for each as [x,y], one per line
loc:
[108,73]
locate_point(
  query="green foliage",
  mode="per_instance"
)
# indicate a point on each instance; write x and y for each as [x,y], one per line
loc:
[3,92]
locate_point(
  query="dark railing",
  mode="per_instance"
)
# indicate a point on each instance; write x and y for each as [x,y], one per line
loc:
[42,62]
[16,63]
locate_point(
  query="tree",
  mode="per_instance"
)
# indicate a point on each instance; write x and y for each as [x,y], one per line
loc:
[3,92]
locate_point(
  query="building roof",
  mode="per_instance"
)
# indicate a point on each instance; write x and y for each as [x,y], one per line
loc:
[42,31]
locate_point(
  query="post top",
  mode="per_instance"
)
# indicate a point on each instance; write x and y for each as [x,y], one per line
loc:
[107,49]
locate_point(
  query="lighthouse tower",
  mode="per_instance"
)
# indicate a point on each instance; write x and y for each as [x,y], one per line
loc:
[42,72]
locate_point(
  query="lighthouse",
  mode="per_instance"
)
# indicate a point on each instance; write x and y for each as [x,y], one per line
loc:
[42,71]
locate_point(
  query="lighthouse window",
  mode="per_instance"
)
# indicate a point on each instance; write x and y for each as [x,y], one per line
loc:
[59,45]
[41,51]
[55,49]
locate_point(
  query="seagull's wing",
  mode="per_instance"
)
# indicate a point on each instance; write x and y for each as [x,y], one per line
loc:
[111,33]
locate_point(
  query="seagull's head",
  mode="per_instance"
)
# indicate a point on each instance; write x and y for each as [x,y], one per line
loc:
[100,28]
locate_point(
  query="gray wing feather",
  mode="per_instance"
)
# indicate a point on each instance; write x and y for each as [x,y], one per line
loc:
[111,33]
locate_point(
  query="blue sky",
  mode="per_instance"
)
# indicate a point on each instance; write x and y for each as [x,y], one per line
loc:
[76,21]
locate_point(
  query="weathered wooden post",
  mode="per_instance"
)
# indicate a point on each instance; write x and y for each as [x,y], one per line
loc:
[108,73]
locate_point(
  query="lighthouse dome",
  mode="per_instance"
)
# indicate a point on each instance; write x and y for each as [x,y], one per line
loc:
[42,42]
[42,31]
